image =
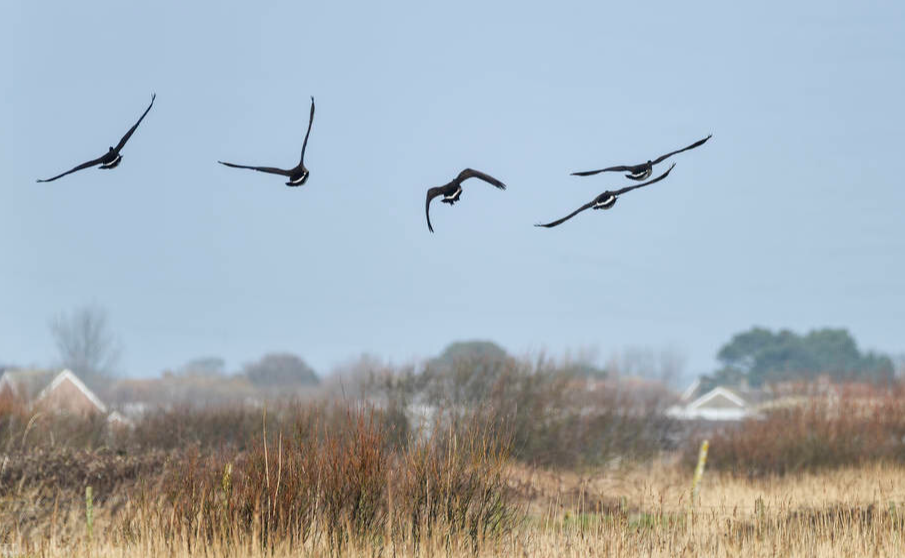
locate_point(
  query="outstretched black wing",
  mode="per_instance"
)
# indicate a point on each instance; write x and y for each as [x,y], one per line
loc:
[122,142]
[648,183]
[305,143]
[616,193]
[271,170]
[620,168]
[471,173]
[692,146]
[431,194]
[78,168]
[588,205]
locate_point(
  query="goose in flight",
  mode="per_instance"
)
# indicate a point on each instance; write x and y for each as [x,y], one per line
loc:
[112,158]
[298,174]
[644,170]
[452,191]
[605,200]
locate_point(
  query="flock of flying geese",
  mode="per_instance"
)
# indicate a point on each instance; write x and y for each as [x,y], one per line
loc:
[451,192]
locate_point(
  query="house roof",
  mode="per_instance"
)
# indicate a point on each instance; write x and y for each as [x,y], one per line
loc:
[691,390]
[699,409]
[25,383]
[67,375]
[715,393]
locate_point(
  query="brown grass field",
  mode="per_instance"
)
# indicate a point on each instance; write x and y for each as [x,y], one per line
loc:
[638,511]
[341,480]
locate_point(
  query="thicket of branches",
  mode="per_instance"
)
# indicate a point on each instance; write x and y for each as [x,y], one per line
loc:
[829,432]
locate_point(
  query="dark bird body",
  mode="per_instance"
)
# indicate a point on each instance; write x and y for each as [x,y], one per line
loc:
[112,158]
[606,200]
[644,170]
[452,191]
[298,174]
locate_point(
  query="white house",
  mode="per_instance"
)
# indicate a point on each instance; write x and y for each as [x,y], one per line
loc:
[718,404]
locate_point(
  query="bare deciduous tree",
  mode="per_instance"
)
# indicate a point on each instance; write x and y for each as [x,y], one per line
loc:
[85,343]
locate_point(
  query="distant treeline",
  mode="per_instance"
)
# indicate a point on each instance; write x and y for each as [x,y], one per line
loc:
[760,356]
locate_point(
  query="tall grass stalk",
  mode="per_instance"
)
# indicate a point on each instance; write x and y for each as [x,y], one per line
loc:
[89,512]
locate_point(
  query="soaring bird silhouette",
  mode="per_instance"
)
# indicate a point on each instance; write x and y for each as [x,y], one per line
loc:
[112,158]
[606,200]
[644,170]
[452,191]
[298,174]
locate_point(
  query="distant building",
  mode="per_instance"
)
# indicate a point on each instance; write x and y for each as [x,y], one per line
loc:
[50,392]
[66,393]
[24,384]
[718,404]
[135,397]
[727,404]
[691,392]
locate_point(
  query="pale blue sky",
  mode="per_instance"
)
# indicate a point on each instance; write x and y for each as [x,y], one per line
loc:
[791,216]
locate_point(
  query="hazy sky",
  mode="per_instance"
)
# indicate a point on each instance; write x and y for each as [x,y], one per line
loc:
[791,216]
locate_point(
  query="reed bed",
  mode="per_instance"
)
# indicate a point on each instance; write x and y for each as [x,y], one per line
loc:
[638,511]
[336,479]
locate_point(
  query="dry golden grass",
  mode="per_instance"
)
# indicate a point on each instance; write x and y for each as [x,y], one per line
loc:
[666,486]
[640,511]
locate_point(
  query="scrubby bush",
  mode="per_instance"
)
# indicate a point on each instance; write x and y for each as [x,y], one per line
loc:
[347,482]
[816,433]
[330,471]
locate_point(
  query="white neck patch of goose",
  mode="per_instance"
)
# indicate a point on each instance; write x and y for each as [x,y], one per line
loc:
[112,163]
[607,203]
